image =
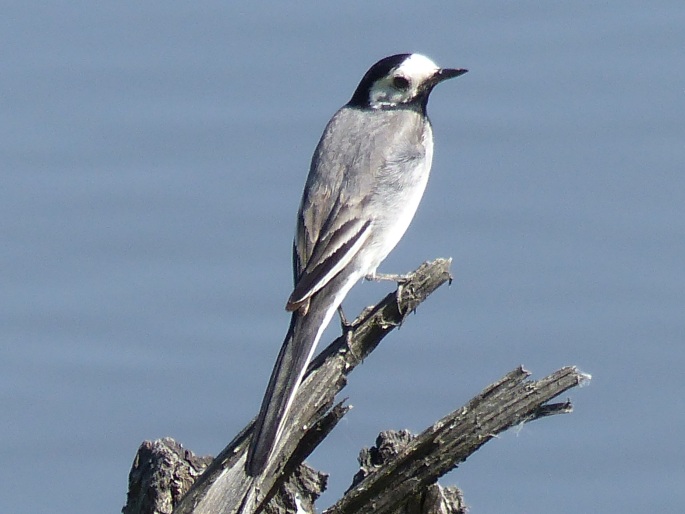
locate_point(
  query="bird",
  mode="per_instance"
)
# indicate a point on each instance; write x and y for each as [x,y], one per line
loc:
[366,179]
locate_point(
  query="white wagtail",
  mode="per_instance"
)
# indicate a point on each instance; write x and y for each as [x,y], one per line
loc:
[366,180]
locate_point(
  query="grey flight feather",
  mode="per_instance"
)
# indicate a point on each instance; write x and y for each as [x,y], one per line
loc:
[344,198]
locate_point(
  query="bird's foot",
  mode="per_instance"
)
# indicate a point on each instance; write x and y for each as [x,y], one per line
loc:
[348,330]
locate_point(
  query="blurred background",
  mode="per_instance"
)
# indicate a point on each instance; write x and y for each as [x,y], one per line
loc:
[152,157]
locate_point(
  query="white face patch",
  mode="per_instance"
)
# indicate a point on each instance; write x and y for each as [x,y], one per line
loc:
[418,66]
[403,83]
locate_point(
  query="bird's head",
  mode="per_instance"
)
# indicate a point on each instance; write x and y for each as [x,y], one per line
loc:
[400,80]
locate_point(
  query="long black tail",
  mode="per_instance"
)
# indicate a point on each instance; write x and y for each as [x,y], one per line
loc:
[292,361]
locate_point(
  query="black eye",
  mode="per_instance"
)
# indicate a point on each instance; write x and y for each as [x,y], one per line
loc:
[400,83]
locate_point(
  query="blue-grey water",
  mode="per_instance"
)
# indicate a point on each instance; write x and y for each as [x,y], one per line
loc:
[152,155]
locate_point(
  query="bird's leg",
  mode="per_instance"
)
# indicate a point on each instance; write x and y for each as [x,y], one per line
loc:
[344,324]
[391,277]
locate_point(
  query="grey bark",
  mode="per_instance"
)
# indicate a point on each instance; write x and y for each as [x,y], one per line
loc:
[399,475]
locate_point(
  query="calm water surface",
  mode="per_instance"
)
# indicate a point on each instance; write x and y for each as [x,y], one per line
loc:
[152,159]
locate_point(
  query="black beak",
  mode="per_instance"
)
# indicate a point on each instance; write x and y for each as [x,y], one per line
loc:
[448,73]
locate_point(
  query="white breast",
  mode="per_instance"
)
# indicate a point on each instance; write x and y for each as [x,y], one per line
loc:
[392,224]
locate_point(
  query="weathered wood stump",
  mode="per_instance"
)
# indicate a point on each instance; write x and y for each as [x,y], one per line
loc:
[398,475]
